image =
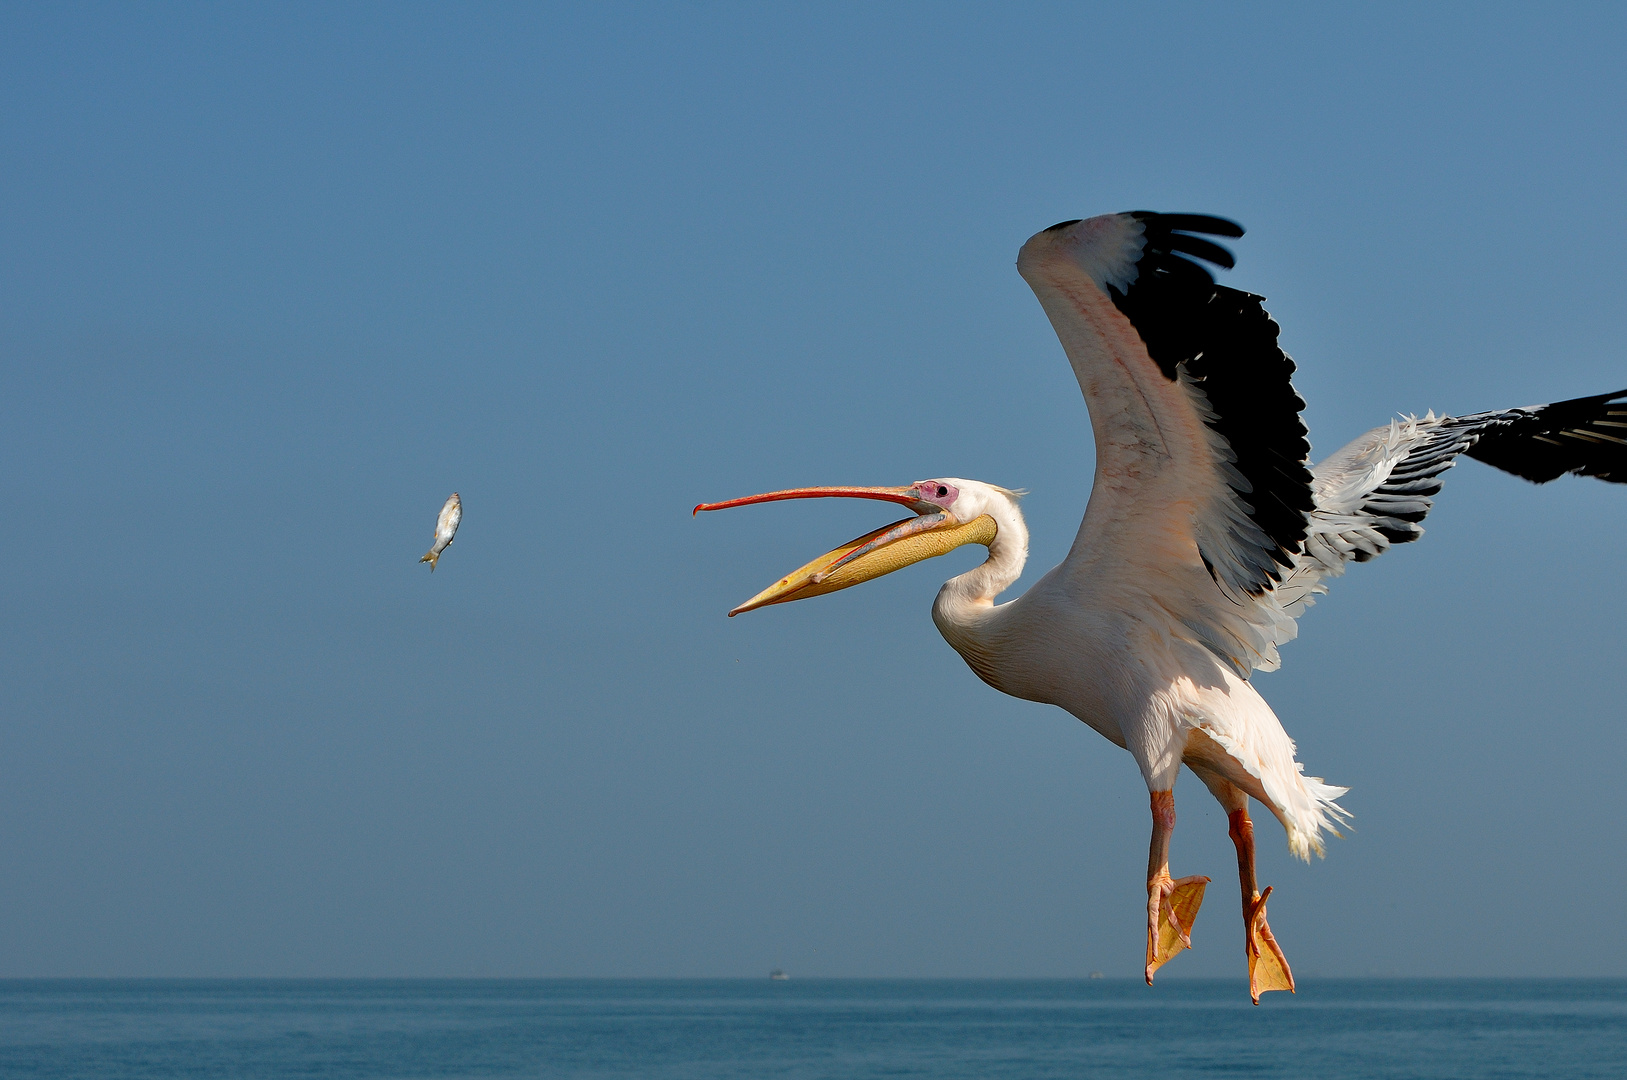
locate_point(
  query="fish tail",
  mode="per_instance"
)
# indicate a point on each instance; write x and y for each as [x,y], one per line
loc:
[431,558]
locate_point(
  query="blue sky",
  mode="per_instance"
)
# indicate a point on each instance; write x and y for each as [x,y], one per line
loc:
[278,279]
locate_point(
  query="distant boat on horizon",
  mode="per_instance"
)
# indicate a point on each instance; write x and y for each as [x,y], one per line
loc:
[778,975]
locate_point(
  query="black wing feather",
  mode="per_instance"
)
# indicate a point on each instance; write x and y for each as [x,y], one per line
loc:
[1200,248]
[1228,346]
[1585,436]
[1193,223]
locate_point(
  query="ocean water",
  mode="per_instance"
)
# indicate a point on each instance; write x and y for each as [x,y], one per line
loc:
[848,1029]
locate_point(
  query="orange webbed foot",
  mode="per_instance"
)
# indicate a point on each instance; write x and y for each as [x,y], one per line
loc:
[1267,967]
[1172,908]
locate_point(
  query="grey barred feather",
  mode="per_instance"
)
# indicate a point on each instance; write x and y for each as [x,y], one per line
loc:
[1376,491]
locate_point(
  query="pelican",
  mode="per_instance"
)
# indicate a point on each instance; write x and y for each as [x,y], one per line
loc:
[1207,534]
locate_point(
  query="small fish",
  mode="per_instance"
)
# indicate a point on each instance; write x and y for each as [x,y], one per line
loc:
[446,527]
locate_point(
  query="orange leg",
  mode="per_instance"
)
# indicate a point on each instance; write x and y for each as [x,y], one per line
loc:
[1172,906]
[1267,967]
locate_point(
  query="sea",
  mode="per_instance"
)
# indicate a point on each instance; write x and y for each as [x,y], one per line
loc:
[852,1029]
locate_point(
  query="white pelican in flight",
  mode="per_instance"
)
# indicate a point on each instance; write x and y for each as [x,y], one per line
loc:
[1207,534]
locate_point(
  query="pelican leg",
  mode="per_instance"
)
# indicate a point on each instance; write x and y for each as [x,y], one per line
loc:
[1267,967]
[1172,905]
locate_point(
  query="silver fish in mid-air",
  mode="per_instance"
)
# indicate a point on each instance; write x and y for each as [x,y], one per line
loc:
[446,527]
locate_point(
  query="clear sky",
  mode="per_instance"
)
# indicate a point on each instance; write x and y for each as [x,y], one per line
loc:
[275,280]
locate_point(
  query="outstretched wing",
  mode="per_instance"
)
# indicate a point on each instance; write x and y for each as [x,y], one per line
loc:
[1374,492]
[1202,491]
[1203,505]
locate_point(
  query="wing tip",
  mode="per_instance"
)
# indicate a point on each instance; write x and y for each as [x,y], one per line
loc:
[1207,224]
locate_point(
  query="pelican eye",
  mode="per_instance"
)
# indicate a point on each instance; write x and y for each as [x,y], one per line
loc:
[942,491]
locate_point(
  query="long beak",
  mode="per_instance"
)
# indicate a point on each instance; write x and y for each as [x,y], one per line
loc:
[933,532]
[905,495]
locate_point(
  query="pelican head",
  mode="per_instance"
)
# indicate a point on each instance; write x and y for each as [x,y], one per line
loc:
[949,513]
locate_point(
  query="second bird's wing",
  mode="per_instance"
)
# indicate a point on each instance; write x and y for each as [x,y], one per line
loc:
[1375,492]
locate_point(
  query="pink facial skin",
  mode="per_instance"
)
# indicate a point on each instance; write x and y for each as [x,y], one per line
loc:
[937,492]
